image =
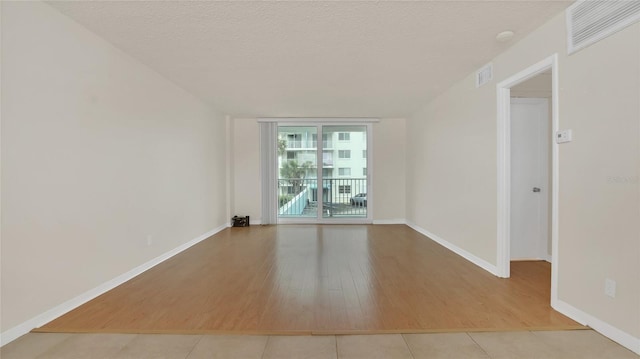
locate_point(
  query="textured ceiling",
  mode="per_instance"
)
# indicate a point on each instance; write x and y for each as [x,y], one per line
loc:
[312,58]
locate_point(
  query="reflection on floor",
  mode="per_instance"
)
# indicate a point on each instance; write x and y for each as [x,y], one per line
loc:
[315,279]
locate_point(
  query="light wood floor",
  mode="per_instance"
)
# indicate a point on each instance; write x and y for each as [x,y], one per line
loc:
[308,279]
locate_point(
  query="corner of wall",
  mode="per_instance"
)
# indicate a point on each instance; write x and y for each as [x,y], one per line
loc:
[457,250]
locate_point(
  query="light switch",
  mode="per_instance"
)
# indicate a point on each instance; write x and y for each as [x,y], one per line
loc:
[563,136]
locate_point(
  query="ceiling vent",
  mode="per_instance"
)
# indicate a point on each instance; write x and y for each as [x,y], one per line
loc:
[484,75]
[589,21]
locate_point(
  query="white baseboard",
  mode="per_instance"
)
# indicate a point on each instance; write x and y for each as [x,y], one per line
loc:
[457,250]
[545,258]
[37,321]
[623,338]
[390,221]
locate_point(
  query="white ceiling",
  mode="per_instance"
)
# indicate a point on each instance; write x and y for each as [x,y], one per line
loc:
[312,58]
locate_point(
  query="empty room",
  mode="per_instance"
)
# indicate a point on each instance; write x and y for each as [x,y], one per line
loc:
[320,179]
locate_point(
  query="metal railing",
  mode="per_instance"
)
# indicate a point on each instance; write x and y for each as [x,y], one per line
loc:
[341,197]
[294,144]
[325,144]
[308,144]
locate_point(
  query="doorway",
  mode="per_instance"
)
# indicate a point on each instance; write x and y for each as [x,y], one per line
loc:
[530,185]
[528,168]
[323,173]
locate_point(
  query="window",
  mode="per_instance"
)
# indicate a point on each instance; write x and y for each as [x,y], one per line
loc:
[321,165]
[325,140]
[294,140]
[327,158]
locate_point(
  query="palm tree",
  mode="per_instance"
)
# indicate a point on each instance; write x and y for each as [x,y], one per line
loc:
[282,147]
[295,173]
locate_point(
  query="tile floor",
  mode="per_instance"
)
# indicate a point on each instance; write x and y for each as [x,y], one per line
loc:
[582,344]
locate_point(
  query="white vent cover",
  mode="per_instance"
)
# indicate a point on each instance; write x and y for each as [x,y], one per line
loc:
[484,75]
[589,21]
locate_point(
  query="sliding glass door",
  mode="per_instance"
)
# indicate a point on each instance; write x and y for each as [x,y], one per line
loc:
[344,172]
[323,173]
[297,171]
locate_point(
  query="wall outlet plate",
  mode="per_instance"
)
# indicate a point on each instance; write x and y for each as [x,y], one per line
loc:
[610,288]
[563,136]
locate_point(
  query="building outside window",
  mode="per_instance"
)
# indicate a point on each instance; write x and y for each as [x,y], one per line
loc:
[294,140]
[343,149]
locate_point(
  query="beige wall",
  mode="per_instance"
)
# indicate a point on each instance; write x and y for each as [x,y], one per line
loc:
[451,162]
[98,152]
[388,166]
[537,86]
[389,169]
[246,199]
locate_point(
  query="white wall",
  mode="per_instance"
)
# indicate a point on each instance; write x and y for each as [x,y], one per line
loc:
[245,166]
[389,169]
[98,152]
[451,169]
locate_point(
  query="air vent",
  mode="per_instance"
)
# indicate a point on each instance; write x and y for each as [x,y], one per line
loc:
[589,21]
[484,75]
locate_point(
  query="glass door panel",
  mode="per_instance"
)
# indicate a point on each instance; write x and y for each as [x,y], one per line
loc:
[344,171]
[297,171]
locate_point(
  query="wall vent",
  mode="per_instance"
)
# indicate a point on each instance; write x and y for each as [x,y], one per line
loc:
[589,21]
[484,75]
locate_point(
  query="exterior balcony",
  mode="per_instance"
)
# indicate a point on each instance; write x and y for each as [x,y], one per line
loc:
[341,197]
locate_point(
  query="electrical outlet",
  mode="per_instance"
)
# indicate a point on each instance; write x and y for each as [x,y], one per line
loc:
[564,136]
[610,287]
[149,240]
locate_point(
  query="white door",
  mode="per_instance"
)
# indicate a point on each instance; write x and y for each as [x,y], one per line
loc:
[529,178]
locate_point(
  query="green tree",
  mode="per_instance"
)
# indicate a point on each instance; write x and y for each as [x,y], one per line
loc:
[295,173]
[282,147]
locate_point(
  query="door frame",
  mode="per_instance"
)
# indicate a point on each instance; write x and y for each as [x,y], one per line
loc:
[319,122]
[503,88]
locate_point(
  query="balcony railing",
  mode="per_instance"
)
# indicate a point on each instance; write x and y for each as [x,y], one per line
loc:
[325,144]
[294,144]
[341,197]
